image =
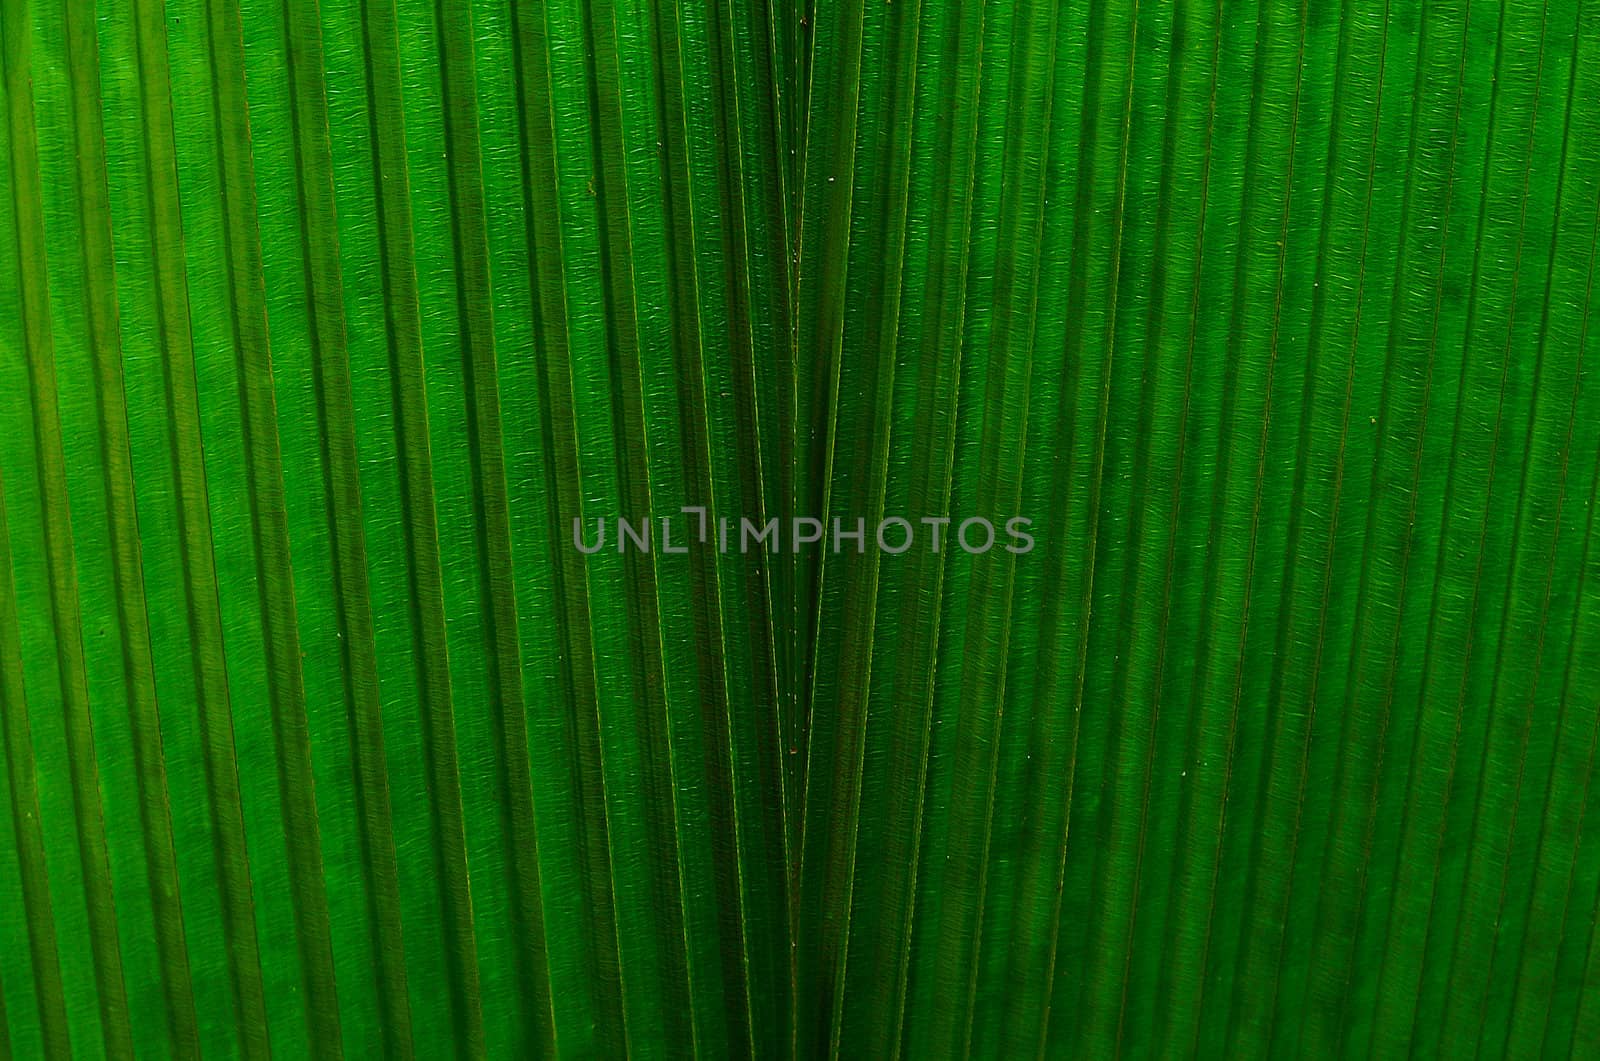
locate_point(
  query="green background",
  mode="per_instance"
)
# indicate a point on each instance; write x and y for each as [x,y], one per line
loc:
[322,320]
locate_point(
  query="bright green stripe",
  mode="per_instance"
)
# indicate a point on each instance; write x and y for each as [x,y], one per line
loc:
[1159,240]
[1090,335]
[1533,869]
[1449,734]
[392,402]
[542,441]
[269,522]
[103,511]
[154,318]
[710,792]
[42,1025]
[196,551]
[490,482]
[857,447]
[1016,93]
[1201,752]
[738,204]
[1274,527]
[1571,1021]
[672,318]
[68,687]
[1527,1012]
[1176,274]
[367,210]
[880,844]
[1440,375]
[315,416]
[1104,151]
[243,646]
[5,1032]
[617,454]
[1397,422]
[822,241]
[61,992]
[1301,418]
[511,795]
[1249,174]
[1333,230]
[455,338]
[1523,604]
[1041,673]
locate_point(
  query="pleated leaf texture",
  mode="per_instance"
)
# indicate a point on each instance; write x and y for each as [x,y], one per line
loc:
[332,331]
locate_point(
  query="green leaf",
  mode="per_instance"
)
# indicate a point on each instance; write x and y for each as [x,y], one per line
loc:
[326,324]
